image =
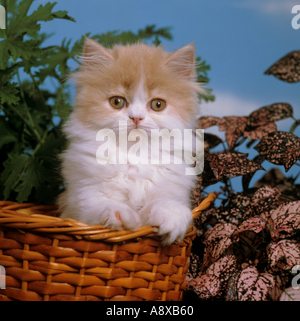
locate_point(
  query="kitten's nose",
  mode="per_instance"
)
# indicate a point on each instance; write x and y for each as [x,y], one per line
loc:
[136,120]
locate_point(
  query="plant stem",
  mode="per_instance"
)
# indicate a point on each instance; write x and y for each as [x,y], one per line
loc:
[20,115]
[27,110]
[40,143]
[42,97]
[295,125]
[242,238]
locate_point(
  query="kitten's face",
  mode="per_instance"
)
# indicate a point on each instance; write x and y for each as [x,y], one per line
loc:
[140,84]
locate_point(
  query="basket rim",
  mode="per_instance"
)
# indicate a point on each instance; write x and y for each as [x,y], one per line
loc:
[39,219]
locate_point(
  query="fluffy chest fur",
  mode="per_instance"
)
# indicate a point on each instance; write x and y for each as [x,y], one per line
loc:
[135,185]
[147,89]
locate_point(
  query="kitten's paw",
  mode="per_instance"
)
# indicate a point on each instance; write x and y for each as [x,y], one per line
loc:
[171,219]
[120,216]
[171,231]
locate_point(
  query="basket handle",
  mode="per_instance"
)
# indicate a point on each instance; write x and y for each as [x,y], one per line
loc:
[204,205]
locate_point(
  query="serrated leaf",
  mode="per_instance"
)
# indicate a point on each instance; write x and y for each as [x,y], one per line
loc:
[259,132]
[255,224]
[276,291]
[280,148]
[19,18]
[205,286]
[21,23]
[208,121]
[254,286]
[287,68]
[32,178]
[261,200]
[9,94]
[211,141]
[17,48]
[286,217]
[234,130]
[224,268]
[233,164]
[241,206]
[6,133]
[49,148]
[219,231]
[290,294]
[24,23]
[217,240]
[233,212]
[264,194]
[4,53]
[3,33]
[14,169]
[226,122]
[270,114]
[286,209]
[62,15]
[284,255]
[55,60]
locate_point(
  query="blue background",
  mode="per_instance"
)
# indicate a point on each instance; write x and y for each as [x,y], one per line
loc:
[240,39]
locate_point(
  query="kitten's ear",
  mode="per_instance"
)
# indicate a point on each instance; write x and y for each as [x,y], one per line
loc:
[182,61]
[95,55]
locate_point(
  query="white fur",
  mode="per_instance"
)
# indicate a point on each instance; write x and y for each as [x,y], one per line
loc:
[125,196]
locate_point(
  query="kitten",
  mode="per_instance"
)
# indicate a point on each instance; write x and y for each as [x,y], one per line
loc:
[145,88]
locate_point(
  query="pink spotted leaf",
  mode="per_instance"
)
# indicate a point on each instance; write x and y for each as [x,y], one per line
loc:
[269,114]
[205,286]
[261,131]
[217,240]
[287,68]
[256,224]
[286,218]
[252,285]
[283,255]
[280,148]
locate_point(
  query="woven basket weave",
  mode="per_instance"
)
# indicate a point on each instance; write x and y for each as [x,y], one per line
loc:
[47,258]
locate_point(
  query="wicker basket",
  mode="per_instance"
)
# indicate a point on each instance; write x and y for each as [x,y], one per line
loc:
[47,258]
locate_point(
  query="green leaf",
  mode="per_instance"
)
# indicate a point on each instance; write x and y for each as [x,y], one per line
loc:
[17,48]
[20,22]
[14,168]
[9,94]
[3,33]
[128,37]
[51,146]
[62,107]
[55,59]
[28,24]
[33,178]
[4,53]
[150,31]
[63,15]
[6,133]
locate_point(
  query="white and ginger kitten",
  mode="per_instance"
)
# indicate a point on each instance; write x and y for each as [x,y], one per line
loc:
[149,89]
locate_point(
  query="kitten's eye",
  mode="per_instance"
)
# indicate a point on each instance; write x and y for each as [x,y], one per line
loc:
[117,102]
[158,104]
